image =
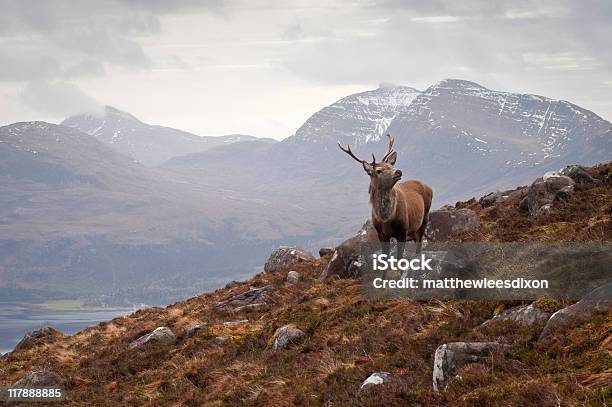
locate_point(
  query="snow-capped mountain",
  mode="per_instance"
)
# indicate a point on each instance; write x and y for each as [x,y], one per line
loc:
[362,117]
[149,144]
[493,138]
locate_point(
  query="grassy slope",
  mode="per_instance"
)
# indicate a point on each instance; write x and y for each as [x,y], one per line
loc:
[347,339]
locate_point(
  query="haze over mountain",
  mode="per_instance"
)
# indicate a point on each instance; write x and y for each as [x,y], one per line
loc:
[78,214]
[149,144]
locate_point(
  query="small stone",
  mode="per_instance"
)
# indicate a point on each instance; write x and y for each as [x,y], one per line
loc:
[236,323]
[43,378]
[375,379]
[160,335]
[293,277]
[285,256]
[286,336]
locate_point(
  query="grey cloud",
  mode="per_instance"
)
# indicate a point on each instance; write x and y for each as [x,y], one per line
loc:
[58,99]
[80,37]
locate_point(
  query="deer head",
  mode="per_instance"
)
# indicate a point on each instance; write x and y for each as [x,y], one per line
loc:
[382,174]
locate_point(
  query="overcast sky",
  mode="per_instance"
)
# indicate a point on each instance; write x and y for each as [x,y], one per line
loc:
[263,67]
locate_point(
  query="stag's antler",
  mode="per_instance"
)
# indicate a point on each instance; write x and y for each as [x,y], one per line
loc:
[390,147]
[350,152]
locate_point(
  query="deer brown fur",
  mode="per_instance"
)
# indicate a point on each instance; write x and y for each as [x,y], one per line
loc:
[398,211]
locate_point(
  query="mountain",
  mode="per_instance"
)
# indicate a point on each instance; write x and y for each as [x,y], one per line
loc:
[229,355]
[457,136]
[75,215]
[361,118]
[146,143]
[490,139]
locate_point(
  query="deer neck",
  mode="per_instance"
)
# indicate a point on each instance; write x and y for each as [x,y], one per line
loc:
[383,203]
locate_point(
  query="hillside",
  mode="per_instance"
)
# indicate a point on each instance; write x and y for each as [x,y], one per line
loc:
[346,338]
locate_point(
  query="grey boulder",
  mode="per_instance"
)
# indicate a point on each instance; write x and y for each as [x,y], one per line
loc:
[347,260]
[544,191]
[158,335]
[285,256]
[529,315]
[445,223]
[42,378]
[597,302]
[375,379]
[452,356]
[285,336]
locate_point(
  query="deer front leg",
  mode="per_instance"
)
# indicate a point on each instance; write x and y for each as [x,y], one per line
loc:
[385,247]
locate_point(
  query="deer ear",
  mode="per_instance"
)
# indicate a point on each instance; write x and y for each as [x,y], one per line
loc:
[368,167]
[391,158]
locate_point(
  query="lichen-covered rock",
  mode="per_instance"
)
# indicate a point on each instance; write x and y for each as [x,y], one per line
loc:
[452,356]
[253,295]
[529,315]
[37,337]
[42,378]
[285,256]
[578,174]
[158,335]
[293,277]
[445,223]
[375,379]
[544,191]
[597,302]
[285,336]
[347,261]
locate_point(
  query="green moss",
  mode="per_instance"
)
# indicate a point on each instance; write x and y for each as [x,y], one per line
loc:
[498,310]
[548,305]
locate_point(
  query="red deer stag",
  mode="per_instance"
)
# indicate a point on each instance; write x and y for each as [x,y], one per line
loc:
[398,211]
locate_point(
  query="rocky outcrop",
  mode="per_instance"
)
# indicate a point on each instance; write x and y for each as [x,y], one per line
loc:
[347,261]
[253,295]
[158,335]
[529,315]
[42,378]
[448,222]
[38,337]
[499,197]
[578,174]
[452,356]
[286,336]
[285,256]
[375,379]
[293,277]
[597,302]
[544,191]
